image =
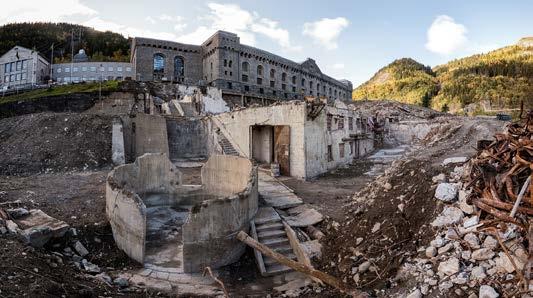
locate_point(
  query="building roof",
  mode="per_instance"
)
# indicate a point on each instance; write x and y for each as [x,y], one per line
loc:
[81,56]
[15,48]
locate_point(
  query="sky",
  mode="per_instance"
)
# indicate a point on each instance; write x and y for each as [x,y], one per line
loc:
[348,39]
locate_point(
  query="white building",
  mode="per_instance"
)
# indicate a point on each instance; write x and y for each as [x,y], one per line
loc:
[23,68]
[92,71]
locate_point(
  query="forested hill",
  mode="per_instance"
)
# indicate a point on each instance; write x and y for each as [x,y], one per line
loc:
[100,46]
[494,81]
[404,80]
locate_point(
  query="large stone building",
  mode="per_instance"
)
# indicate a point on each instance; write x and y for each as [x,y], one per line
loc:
[23,68]
[237,69]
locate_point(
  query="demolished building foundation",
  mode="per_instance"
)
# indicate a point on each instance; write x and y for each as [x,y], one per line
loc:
[159,221]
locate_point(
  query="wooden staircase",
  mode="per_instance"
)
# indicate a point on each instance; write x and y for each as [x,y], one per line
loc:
[268,229]
[225,144]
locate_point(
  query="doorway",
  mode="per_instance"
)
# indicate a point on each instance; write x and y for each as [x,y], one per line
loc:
[271,144]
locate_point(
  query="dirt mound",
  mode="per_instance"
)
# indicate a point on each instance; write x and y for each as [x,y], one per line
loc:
[387,221]
[54,142]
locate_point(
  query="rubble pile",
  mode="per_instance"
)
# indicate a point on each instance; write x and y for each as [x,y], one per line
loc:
[481,245]
[385,223]
[52,246]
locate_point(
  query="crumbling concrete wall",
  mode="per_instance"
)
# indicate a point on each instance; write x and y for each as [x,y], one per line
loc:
[125,209]
[117,143]
[408,132]
[318,138]
[209,235]
[144,133]
[188,138]
[292,114]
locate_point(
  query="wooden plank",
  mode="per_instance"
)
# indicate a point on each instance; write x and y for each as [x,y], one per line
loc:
[326,278]
[298,250]
[258,256]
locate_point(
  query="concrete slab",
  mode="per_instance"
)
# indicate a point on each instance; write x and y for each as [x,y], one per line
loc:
[276,194]
[307,217]
[38,227]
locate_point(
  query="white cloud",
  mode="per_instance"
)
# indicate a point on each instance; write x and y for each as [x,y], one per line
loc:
[338,66]
[167,18]
[36,10]
[246,24]
[445,36]
[150,20]
[180,27]
[326,31]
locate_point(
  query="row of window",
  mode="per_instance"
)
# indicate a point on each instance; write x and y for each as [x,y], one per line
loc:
[88,79]
[15,77]
[159,65]
[15,66]
[339,120]
[341,150]
[92,68]
[260,70]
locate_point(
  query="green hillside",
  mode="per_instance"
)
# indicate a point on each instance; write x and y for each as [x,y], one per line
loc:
[494,81]
[100,46]
[404,80]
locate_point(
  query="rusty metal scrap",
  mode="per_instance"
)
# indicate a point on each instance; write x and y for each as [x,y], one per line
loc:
[501,172]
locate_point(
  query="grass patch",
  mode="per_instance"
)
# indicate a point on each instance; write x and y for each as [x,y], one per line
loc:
[107,86]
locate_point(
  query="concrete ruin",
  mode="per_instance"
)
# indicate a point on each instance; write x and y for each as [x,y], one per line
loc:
[158,221]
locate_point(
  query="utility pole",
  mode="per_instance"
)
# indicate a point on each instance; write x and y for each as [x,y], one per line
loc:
[71,53]
[51,64]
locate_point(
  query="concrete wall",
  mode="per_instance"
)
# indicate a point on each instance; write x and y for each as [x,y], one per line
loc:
[318,138]
[238,124]
[188,138]
[209,235]
[126,211]
[225,204]
[149,134]
[407,132]
[118,154]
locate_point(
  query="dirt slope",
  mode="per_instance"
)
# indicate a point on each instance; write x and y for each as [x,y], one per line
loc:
[54,142]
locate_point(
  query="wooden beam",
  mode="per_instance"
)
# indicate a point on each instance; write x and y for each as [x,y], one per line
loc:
[330,280]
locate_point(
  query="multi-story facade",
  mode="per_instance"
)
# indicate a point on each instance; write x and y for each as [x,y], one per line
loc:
[91,71]
[23,68]
[222,61]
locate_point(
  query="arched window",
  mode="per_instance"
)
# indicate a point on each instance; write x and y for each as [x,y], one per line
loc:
[272,73]
[317,87]
[303,82]
[179,66]
[245,66]
[159,63]
[283,77]
[310,84]
[260,70]
[294,80]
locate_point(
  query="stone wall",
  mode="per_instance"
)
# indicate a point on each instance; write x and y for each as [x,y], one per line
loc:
[209,235]
[142,57]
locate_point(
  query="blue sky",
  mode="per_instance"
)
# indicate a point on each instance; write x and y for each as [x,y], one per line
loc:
[348,39]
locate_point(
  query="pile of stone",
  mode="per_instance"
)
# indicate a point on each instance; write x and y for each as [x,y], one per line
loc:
[468,256]
[38,230]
